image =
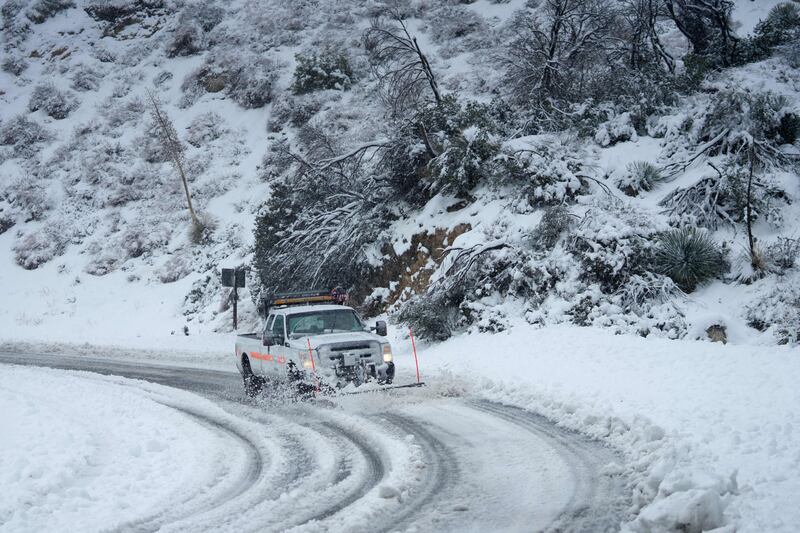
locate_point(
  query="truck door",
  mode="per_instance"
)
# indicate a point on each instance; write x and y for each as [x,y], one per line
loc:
[278,349]
[264,365]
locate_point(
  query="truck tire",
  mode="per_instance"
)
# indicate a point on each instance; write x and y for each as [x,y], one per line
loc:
[253,384]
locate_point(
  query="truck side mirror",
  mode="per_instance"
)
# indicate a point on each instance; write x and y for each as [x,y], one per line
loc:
[380,328]
[266,340]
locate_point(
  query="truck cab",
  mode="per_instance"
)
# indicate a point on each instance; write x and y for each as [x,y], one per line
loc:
[315,339]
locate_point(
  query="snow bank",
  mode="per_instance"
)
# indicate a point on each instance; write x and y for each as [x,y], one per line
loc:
[97,454]
[709,431]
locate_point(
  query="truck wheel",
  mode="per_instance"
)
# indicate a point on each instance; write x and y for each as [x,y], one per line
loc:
[253,384]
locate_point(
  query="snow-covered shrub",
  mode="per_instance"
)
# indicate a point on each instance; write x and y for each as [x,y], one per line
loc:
[431,316]
[618,129]
[120,112]
[6,223]
[463,161]
[782,254]
[781,26]
[14,64]
[545,169]
[86,78]
[555,221]
[613,242]
[640,292]
[722,198]
[175,268]
[32,250]
[42,10]
[53,101]
[23,135]
[454,22]
[246,78]
[737,120]
[28,198]
[778,311]
[194,23]
[639,176]
[690,257]
[205,128]
[141,238]
[328,70]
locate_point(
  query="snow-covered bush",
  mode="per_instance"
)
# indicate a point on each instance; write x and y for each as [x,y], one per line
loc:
[32,250]
[175,268]
[53,101]
[463,161]
[195,22]
[86,78]
[555,221]
[782,254]
[690,257]
[431,316]
[14,64]
[246,78]
[328,70]
[613,242]
[28,198]
[121,112]
[618,129]
[722,198]
[42,10]
[737,120]
[640,292]
[295,111]
[778,311]
[639,176]
[782,26]
[545,170]
[454,22]
[6,223]
[205,128]
[23,135]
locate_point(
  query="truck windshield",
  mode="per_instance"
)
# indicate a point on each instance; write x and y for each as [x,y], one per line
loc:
[321,322]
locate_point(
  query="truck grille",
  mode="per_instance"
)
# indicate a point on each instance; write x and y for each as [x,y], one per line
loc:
[348,347]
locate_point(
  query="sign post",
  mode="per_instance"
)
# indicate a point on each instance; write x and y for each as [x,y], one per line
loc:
[234,277]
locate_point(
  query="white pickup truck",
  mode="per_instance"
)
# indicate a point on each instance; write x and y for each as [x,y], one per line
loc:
[309,339]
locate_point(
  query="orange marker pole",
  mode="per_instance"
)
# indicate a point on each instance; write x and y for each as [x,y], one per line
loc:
[313,366]
[414,347]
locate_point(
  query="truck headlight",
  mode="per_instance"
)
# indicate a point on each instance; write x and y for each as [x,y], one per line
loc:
[387,353]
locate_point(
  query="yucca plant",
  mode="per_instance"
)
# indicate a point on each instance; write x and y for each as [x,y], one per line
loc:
[690,257]
[641,176]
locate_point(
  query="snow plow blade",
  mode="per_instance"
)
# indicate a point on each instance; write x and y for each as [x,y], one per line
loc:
[389,387]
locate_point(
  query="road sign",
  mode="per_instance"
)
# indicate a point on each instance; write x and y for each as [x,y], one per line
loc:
[233,277]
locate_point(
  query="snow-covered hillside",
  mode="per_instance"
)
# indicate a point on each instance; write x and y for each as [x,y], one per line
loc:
[94,217]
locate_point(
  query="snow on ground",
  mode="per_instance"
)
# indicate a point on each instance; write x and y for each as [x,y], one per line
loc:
[709,431]
[96,454]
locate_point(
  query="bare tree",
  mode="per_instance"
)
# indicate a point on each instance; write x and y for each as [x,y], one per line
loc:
[640,19]
[707,25]
[556,44]
[398,62]
[174,148]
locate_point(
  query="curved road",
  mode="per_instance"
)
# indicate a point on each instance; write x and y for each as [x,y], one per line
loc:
[401,461]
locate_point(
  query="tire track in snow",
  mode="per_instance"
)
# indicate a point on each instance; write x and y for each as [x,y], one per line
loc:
[441,472]
[199,503]
[597,504]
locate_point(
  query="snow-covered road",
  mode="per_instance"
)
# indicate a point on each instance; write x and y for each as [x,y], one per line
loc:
[211,460]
